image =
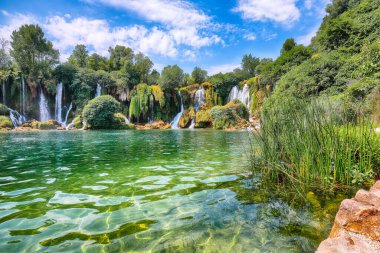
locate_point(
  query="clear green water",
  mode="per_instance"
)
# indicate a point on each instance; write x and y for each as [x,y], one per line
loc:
[145,191]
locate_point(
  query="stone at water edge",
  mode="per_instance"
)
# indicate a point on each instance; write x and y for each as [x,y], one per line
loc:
[357,224]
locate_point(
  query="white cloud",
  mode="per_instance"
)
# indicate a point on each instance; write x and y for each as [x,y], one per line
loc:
[190,55]
[308,4]
[224,68]
[174,13]
[250,36]
[281,11]
[306,39]
[13,22]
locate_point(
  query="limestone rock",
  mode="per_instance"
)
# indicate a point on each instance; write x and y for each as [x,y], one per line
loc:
[357,224]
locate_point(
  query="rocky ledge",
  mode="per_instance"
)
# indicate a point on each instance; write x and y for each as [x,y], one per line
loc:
[357,224]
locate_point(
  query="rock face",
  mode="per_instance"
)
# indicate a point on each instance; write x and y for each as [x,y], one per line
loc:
[357,224]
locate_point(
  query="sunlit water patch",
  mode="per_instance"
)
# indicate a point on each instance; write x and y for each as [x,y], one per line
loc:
[140,191]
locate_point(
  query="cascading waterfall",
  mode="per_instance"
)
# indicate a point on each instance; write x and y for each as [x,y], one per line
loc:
[199,101]
[127,120]
[44,109]
[16,118]
[98,90]
[58,103]
[199,98]
[175,123]
[67,114]
[242,95]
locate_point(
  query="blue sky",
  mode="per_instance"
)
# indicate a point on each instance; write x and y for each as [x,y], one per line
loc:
[212,34]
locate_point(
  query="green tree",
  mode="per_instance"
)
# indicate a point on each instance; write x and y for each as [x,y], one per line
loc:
[199,75]
[33,52]
[79,56]
[171,77]
[249,64]
[153,77]
[288,45]
[143,65]
[120,56]
[97,62]
[99,112]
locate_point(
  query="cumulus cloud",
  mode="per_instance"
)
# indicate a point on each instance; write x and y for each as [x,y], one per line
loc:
[281,11]
[224,68]
[13,22]
[174,13]
[98,35]
[308,4]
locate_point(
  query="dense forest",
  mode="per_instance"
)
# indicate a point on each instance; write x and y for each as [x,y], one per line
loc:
[342,64]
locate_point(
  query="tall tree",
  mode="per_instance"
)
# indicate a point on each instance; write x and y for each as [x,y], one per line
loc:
[97,62]
[33,52]
[79,56]
[171,77]
[120,56]
[288,45]
[153,77]
[143,65]
[199,75]
[249,64]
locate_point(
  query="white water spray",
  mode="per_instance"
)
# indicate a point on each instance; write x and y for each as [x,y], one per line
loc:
[44,108]
[242,95]
[58,103]
[175,123]
[16,118]
[98,90]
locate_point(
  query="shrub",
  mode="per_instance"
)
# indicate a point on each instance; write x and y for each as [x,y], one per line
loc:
[78,122]
[5,122]
[203,119]
[232,115]
[45,125]
[99,112]
[4,111]
[119,122]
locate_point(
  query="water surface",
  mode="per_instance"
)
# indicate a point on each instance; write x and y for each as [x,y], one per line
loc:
[145,191]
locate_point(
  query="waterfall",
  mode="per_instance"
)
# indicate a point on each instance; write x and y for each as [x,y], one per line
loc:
[44,108]
[175,123]
[199,101]
[199,98]
[58,103]
[242,95]
[16,118]
[192,124]
[98,90]
[4,95]
[22,96]
[67,114]
[127,120]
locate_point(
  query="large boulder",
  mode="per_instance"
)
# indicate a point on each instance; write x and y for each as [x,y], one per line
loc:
[357,224]
[4,110]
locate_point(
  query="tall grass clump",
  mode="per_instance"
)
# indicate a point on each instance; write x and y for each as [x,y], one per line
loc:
[313,144]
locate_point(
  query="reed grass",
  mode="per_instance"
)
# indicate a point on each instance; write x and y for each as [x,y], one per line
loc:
[313,144]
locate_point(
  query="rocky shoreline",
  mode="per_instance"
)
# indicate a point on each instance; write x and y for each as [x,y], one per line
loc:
[357,224]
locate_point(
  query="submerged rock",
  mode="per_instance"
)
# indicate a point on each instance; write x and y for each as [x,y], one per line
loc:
[357,224]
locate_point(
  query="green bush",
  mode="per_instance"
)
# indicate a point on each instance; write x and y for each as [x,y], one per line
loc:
[5,122]
[4,110]
[232,115]
[78,122]
[203,119]
[99,112]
